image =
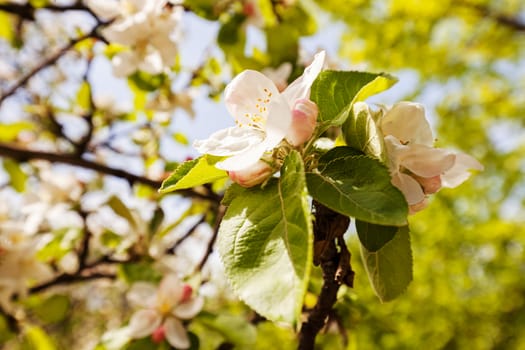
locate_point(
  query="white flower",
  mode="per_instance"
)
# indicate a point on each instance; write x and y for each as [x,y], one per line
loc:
[263,116]
[148,28]
[19,266]
[416,167]
[162,310]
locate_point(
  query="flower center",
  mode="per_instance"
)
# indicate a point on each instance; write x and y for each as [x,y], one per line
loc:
[257,119]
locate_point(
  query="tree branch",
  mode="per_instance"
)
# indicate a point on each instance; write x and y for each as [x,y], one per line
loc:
[70,278]
[503,19]
[23,155]
[27,11]
[49,61]
[329,228]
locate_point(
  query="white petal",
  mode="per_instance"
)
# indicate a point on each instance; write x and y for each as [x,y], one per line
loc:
[142,294]
[169,292]
[243,160]
[459,172]
[124,63]
[152,62]
[406,121]
[189,309]
[144,322]
[300,87]
[248,96]
[410,188]
[427,161]
[304,120]
[176,333]
[103,8]
[230,141]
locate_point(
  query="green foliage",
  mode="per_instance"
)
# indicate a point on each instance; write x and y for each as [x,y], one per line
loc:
[267,252]
[17,176]
[35,338]
[336,91]
[193,173]
[361,132]
[233,329]
[138,271]
[9,132]
[52,309]
[357,186]
[374,237]
[390,267]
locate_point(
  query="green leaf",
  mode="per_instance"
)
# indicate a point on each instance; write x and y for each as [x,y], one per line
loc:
[53,309]
[16,174]
[265,242]
[193,173]
[361,132]
[35,338]
[9,132]
[147,82]
[181,138]
[336,91]
[139,271]
[390,268]
[374,237]
[84,96]
[357,186]
[116,204]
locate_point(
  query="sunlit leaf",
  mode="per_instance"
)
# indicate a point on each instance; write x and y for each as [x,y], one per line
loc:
[193,173]
[9,132]
[116,204]
[35,338]
[335,91]
[265,242]
[357,186]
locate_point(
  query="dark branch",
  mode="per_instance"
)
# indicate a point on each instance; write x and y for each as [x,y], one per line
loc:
[220,214]
[503,19]
[172,249]
[329,228]
[68,279]
[48,62]
[27,11]
[23,155]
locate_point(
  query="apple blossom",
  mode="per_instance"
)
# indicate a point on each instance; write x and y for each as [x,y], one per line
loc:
[416,167]
[263,117]
[252,176]
[162,309]
[147,29]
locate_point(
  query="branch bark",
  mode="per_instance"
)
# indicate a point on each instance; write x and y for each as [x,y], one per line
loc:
[334,259]
[508,21]
[23,155]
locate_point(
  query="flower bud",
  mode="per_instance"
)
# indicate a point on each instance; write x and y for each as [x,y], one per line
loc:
[430,185]
[304,118]
[252,176]
[414,208]
[186,293]
[158,335]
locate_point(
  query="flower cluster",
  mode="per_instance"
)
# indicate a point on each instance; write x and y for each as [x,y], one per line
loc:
[417,168]
[162,309]
[264,117]
[148,31]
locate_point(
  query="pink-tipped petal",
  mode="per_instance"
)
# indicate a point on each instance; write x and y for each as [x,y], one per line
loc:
[411,188]
[304,119]
[253,175]
[144,322]
[427,161]
[189,309]
[176,334]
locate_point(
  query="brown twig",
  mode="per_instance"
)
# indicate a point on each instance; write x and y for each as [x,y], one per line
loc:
[508,21]
[171,250]
[329,228]
[27,11]
[49,61]
[220,214]
[21,154]
[67,278]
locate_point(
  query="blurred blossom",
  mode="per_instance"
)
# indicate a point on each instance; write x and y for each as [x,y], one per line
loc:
[162,309]
[148,30]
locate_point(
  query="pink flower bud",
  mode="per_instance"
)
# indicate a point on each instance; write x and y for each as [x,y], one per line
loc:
[304,118]
[430,185]
[252,176]
[158,334]
[186,293]
[414,208]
